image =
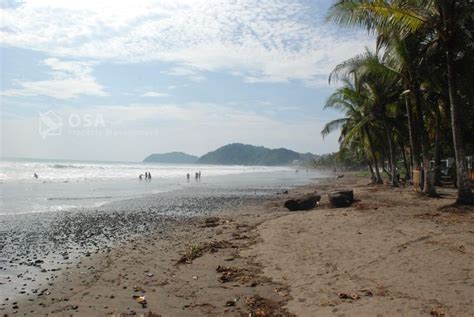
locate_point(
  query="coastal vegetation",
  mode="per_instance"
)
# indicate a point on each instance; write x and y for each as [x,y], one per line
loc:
[409,102]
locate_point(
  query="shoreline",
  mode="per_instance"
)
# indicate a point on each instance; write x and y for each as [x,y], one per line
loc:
[261,258]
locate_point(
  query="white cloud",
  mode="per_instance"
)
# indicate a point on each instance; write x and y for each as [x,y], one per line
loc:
[69,80]
[187,72]
[154,94]
[272,41]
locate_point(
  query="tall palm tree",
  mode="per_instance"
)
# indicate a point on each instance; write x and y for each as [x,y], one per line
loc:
[442,21]
[356,126]
[382,89]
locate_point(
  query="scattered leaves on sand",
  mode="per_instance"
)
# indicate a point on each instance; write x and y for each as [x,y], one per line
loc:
[367,292]
[195,251]
[151,314]
[201,305]
[192,252]
[427,215]
[263,307]
[282,291]
[231,303]
[229,274]
[140,299]
[457,208]
[348,296]
[437,311]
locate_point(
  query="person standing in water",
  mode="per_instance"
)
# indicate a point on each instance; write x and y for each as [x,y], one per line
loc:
[188,176]
[35,176]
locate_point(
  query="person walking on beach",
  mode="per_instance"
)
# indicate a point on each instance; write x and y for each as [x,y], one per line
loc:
[188,176]
[149,175]
[199,175]
[35,175]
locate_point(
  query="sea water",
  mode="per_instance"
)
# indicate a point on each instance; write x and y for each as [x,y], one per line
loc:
[64,185]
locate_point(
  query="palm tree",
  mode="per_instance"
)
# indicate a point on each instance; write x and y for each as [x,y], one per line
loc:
[356,126]
[382,89]
[442,21]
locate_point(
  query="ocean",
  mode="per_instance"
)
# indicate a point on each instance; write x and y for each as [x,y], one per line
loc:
[64,185]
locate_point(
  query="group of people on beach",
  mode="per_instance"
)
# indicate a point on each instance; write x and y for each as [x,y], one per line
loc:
[147,176]
[197,176]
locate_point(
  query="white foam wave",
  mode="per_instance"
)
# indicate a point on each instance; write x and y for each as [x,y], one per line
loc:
[48,171]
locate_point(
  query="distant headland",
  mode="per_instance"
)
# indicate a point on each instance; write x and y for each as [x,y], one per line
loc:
[237,154]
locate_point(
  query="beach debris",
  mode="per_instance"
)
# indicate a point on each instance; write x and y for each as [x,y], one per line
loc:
[197,250]
[282,291]
[348,296]
[228,273]
[192,252]
[195,277]
[210,222]
[151,314]
[437,311]
[367,292]
[341,198]
[306,202]
[231,303]
[138,289]
[263,307]
[140,299]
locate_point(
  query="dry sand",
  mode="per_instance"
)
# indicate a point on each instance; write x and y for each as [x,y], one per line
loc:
[391,254]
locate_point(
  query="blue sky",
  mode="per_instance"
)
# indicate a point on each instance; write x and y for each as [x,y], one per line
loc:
[123,79]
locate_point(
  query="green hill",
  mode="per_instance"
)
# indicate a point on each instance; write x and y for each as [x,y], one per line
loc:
[244,154]
[173,157]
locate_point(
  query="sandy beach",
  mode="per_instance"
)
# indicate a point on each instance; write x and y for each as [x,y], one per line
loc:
[392,253]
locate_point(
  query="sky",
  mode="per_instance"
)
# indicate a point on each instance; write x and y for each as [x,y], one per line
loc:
[118,80]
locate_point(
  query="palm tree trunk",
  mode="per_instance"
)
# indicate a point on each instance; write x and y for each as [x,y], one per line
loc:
[428,188]
[391,158]
[465,195]
[437,151]
[414,145]
[372,174]
[405,162]
[374,156]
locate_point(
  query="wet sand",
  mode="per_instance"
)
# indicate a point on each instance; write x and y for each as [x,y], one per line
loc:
[391,253]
